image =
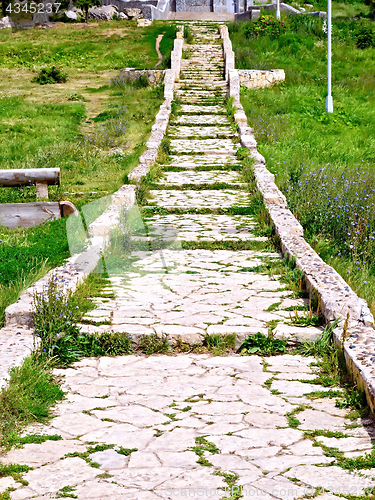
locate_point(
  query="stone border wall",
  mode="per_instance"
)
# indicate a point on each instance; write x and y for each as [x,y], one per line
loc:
[16,339]
[258,79]
[338,300]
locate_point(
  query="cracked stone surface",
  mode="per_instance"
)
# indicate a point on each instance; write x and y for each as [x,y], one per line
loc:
[171,426]
[202,119]
[190,161]
[208,177]
[205,145]
[196,131]
[204,198]
[162,406]
[15,345]
[208,227]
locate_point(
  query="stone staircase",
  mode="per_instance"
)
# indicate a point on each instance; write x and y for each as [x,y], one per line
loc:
[195,425]
[202,281]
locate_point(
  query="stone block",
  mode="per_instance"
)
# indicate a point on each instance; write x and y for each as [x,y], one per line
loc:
[154,76]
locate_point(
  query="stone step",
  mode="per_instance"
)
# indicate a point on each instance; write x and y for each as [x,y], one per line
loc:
[197,227]
[197,131]
[202,145]
[206,198]
[203,83]
[202,119]
[191,108]
[208,160]
[200,93]
[203,293]
[200,177]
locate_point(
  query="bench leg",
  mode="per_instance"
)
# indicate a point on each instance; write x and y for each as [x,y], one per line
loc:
[41,190]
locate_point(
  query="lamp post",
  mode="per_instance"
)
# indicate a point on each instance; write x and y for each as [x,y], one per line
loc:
[329,101]
[278,9]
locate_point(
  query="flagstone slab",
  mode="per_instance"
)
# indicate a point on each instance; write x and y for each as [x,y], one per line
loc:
[202,160]
[201,177]
[213,199]
[199,131]
[225,146]
[202,119]
[191,108]
[199,227]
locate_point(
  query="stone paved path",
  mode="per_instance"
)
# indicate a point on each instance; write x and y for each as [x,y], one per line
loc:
[195,426]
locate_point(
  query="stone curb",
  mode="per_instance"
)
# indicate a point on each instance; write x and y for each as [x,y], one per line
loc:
[338,300]
[19,315]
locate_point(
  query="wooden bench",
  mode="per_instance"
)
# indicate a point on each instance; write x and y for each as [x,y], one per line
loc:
[32,214]
[39,177]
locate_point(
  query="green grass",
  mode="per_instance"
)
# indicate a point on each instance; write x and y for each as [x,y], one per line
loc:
[96,46]
[28,398]
[65,126]
[324,163]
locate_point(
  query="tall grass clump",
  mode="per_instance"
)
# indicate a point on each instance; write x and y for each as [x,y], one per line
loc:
[28,397]
[58,336]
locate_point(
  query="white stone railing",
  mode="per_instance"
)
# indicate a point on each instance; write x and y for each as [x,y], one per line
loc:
[337,299]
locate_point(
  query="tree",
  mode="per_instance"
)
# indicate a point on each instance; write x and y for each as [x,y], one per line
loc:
[85,5]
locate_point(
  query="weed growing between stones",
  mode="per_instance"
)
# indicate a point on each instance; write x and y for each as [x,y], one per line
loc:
[188,35]
[85,455]
[66,492]
[262,345]
[332,372]
[57,334]
[202,445]
[219,344]
[152,344]
[27,398]
[293,421]
[234,490]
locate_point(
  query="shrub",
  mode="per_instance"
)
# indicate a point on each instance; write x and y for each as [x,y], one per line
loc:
[50,75]
[265,25]
[365,38]
[56,319]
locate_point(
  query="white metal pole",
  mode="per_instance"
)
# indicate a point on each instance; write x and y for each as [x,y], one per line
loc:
[329,101]
[278,9]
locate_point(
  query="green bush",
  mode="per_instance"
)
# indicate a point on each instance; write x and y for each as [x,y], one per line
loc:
[50,75]
[265,25]
[56,317]
[365,38]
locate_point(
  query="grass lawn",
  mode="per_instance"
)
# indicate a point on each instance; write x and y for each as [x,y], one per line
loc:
[324,163]
[92,130]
